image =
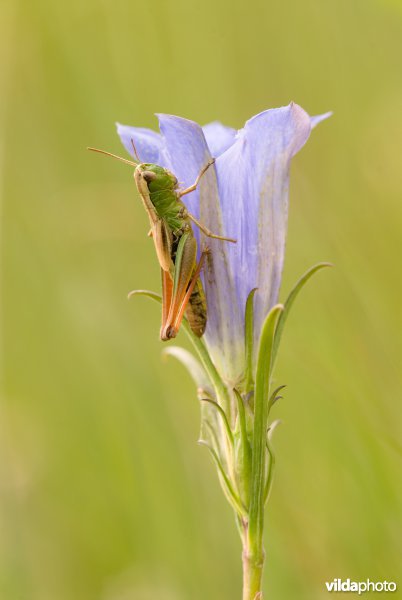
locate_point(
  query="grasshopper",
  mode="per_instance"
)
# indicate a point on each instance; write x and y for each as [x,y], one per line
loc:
[175,244]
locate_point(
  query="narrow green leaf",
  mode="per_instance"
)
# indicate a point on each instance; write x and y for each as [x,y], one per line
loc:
[242,415]
[148,293]
[232,496]
[261,401]
[274,397]
[249,340]
[289,301]
[270,478]
[272,460]
[193,366]
[224,417]
[206,425]
[245,448]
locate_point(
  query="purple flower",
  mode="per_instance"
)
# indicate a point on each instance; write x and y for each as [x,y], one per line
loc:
[243,196]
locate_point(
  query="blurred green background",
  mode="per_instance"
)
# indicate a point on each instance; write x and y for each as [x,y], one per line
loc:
[104,493]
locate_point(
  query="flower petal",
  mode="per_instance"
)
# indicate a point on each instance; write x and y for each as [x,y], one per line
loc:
[187,152]
[318,118]
[253,179]
[148,143]
[219,138]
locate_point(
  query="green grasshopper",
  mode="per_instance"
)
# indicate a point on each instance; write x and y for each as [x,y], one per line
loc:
[175,244]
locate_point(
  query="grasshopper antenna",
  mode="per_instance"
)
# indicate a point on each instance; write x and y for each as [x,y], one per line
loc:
[135,151]
[128,162]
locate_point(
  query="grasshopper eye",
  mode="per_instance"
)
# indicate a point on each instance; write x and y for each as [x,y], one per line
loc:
[148,176]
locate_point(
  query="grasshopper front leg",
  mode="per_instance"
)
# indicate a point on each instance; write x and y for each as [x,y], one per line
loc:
[193,187]
[202,227]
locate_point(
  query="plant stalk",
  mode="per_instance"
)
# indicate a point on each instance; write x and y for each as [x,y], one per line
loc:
[253,565]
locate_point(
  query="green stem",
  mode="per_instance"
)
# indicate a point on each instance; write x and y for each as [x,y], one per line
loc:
[252,575]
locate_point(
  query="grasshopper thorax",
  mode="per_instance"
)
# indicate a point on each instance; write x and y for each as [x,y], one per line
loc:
[156,177]
[158,189]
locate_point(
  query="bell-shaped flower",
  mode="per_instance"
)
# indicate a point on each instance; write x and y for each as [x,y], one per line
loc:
[244,196]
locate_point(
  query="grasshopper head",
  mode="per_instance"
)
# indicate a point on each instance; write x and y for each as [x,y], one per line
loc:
[157,177]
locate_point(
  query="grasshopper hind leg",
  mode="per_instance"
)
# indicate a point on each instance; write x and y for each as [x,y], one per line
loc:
[191,301]
[208,232]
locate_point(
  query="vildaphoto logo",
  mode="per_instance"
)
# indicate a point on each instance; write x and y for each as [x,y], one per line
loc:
[339,585]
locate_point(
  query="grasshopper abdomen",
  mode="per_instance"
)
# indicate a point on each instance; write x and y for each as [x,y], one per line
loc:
[196,312]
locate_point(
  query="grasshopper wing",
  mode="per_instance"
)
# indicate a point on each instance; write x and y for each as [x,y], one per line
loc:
[180,283]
